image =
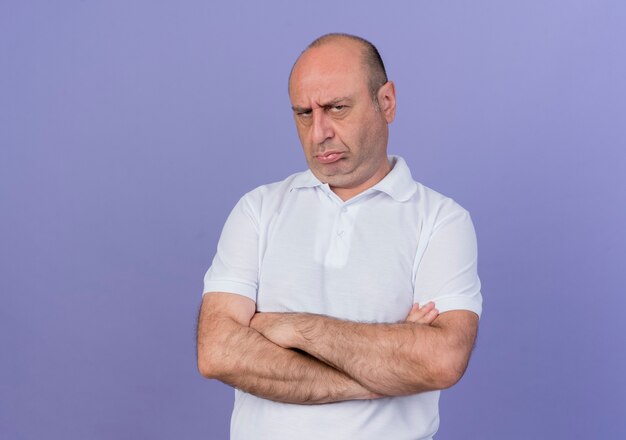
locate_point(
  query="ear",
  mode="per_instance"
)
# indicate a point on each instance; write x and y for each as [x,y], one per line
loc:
[387,100]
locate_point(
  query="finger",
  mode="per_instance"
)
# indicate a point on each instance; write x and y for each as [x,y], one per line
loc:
[418,313]
[425,316]
[412,313]
[430,317]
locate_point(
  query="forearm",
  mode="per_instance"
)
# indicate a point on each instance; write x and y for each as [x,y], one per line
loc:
[241,357]
[390,359]
[383,357]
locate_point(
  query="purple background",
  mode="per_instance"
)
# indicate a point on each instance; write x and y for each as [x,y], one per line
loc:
[128,130]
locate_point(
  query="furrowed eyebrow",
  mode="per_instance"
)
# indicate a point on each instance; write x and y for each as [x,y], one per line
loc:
[335,102]
[300,109]
[325,105]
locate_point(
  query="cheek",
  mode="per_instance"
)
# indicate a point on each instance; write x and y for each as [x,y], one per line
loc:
[303,129]
[373,134]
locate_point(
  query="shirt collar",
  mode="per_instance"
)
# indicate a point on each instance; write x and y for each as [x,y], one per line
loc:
[398,183]
[305,179]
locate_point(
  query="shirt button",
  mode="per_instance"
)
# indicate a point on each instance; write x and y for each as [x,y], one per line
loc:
[340,233]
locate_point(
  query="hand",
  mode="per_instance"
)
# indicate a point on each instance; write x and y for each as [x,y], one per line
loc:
[424,315]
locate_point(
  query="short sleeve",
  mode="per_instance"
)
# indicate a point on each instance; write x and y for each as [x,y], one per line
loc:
[447,273]
[235,267]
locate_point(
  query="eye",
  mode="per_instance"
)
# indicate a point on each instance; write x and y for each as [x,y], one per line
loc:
[338,108]
[303,114]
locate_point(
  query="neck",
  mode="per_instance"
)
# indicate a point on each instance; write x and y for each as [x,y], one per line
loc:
[346,194]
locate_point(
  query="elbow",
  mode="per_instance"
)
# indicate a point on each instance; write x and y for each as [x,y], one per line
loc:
[435,376]
[447,377]
[208,366]
[449,372]
[211,352]
[215,350]
[451,362]
[205,368]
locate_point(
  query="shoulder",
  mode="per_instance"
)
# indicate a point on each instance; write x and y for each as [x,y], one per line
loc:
[435,205]
[427,202]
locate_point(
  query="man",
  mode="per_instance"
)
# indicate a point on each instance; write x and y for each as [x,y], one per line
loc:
[312,303]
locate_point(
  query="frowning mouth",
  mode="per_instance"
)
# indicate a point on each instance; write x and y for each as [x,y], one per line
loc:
[329,157]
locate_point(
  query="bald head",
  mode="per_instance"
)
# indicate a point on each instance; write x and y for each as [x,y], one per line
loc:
[371,62]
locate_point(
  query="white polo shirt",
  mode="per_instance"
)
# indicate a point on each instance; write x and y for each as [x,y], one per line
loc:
[295,246]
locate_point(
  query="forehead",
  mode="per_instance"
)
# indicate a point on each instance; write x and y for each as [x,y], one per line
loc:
[328,71]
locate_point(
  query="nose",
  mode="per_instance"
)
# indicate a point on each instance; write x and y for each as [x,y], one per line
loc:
[322,128]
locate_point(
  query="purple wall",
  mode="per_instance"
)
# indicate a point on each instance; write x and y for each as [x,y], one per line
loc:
[129,129]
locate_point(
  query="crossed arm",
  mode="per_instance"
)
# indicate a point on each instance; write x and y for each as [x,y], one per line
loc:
[333,360]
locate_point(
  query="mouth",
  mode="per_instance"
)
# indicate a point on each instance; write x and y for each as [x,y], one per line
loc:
[329,157]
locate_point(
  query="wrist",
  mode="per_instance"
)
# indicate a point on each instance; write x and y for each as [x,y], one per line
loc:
[306,328]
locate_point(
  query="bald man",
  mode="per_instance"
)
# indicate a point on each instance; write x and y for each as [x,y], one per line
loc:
[343,298]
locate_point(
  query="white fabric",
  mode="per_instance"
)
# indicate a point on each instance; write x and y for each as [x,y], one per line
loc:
[294,246]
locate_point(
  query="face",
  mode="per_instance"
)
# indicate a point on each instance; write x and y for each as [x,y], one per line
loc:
[343,134]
